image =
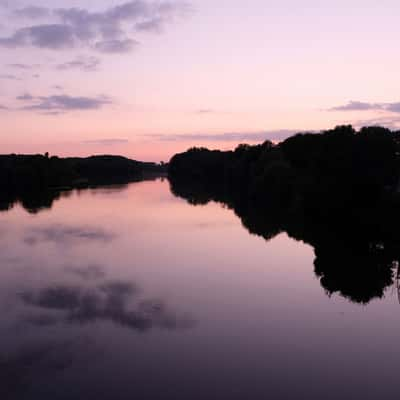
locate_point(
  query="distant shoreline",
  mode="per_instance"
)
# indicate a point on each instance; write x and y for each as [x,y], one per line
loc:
[22,172]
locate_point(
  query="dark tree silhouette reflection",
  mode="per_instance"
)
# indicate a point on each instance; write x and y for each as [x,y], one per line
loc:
[337,190]
[355,262]
[36,200]
[359,272]
[32,201]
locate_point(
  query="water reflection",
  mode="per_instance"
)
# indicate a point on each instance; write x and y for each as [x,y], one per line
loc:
[32,202]
[354,262]
[36,201]
[20,369]
[64,234]
[59,291]
[53,342]
[90,272]
[116,302]
[132,293]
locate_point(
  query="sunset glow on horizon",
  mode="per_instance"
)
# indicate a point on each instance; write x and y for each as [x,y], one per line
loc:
[147,79]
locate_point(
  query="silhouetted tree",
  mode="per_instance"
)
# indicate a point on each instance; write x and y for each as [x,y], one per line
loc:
[336,190]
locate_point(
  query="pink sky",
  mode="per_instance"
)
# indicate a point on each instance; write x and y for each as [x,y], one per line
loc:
[147,79]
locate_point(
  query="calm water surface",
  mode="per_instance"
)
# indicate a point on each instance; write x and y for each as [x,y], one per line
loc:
[129,292]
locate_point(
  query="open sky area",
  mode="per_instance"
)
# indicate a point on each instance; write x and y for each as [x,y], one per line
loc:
[146,79]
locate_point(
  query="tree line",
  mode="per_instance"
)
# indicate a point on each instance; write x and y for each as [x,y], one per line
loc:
[336,190]
[28,173]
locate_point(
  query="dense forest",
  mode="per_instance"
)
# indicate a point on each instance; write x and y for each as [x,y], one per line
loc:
[36,180]
[340,173]
[336,190]
[22,173]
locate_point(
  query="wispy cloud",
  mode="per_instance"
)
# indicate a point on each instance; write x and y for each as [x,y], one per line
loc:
[10,77]
[50,36]
[25,96]
[6,3]
[277,135]
[357,106]
[362,106]
[83,63]
[205,111]
[391,122]
[118,302]
[116,45]
[106,142]
[393,107]
[89,272]
[155,25]
[63,103]
[25,67]
[63,235]
[109,31]
[32,12]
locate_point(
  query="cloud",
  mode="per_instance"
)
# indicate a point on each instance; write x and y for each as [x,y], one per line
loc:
[62,234]
[361,106]
[7,3]
[106,142]
[24,66]
[25,96]
[82,63]
[205,111]
[108,31]
[152,25]
[50,36]
[10,77]
[32,12]
[393,107]
[391,122]
[63,103]
[116,45]
[227,137]
[3,108]
[357,106]
[90,272]
[117,302]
